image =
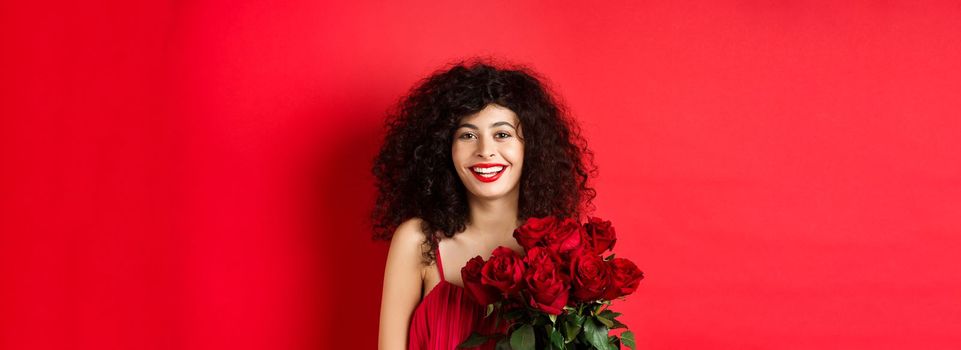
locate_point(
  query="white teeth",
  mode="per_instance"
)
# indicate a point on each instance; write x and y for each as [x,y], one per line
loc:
[490,170]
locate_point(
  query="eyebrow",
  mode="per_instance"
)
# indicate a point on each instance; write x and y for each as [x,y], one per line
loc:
[472,126]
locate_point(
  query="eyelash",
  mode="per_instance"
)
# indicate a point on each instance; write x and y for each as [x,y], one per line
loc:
[464,135]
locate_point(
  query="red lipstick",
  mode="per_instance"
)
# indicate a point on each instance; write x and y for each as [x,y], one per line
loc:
[483,178]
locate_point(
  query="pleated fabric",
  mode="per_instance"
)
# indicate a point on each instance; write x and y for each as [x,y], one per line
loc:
[447,316]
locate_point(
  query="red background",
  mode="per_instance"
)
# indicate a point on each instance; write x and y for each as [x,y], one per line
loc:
[195,175]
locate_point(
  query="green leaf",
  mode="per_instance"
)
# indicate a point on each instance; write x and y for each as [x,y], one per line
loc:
[618,324]
[615,342]
[579,320]
[490,309]
[557,340]
[610,315]
[523,338]
[572,326]
[605,321]
[553,318]
[473,341]
[628,339]
[595,334]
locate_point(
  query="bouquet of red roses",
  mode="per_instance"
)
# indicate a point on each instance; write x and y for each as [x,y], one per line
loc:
[556,296]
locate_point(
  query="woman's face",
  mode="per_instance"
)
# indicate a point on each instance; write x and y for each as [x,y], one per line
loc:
[488,153]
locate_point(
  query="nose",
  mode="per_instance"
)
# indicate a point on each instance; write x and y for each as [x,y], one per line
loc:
[485,150]
[485,154]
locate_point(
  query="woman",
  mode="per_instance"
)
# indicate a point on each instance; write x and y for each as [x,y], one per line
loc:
[470,153]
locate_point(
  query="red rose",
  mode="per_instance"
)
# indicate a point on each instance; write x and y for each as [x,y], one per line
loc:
[565,237]
[545,256]
[533,231]
[504,271]
[590,276]
[471,274]
[599,235]
[547,286]
[625,278]
[541,256]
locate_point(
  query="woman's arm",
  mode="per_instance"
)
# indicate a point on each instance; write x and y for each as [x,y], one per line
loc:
[403,281]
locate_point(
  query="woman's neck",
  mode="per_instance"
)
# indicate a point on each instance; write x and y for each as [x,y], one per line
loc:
[494,217]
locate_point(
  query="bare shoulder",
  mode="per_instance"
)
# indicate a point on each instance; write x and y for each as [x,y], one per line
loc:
[409,239]
[403,284]
[410,231]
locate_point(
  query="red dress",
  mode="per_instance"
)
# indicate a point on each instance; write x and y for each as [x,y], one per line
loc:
[447,316]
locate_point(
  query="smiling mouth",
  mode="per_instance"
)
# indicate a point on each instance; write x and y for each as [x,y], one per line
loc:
[489,173]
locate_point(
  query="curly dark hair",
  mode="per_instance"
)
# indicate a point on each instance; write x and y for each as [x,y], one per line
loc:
[415,175]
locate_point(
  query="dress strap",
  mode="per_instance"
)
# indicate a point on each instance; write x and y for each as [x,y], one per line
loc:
[440,266]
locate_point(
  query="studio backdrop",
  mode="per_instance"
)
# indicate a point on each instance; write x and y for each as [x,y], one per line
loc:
[196,174]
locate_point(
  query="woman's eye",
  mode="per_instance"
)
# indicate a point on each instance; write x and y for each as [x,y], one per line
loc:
[500,135]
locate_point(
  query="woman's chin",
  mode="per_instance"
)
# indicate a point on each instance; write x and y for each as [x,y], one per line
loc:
[490,193]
